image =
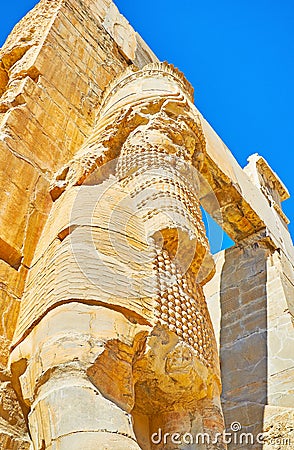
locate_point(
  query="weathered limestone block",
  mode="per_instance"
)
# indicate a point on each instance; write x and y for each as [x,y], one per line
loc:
[278,428]
[280,333]
[268,182]
[13,429]
[248,298]
[20,49]
[18,180]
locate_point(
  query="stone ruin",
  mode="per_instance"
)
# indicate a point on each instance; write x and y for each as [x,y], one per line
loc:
[119,328]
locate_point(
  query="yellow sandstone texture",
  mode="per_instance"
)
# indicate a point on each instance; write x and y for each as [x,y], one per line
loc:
[118,327]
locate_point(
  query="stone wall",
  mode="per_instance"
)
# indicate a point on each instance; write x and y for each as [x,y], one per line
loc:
[248,303]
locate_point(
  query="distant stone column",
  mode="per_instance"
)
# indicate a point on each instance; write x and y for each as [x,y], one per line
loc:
[114,326]
[253,290]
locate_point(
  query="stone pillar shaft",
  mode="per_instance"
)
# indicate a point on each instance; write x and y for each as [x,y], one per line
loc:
[124,248]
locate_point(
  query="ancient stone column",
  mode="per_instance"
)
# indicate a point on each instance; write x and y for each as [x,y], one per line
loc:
[114,337]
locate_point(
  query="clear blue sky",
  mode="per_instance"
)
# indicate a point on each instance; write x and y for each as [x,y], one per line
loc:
[238,54]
